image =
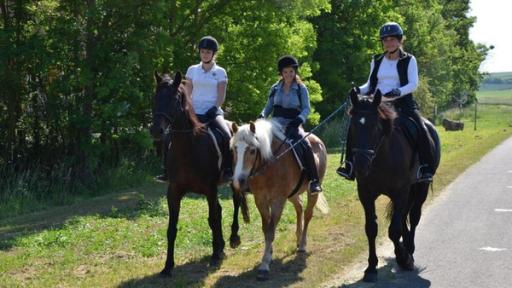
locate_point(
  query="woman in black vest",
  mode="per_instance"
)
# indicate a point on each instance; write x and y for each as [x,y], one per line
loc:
[395,73]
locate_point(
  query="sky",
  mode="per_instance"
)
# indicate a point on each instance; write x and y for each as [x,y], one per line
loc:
[493,27]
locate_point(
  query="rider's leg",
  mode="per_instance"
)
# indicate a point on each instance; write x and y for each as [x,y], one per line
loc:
[425,149]
[309,162]
[227,154]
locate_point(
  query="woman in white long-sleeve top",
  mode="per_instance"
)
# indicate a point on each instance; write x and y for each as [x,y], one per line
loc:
[395,74]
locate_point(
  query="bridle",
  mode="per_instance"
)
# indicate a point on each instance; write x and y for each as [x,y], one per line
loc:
[369,154]
[179,110]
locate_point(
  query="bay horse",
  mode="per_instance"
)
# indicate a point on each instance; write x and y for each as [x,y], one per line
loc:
[272,180]
[386,162]
[191,164]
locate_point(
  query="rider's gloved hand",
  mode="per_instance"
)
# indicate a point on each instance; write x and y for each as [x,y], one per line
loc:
[212,113]
[393,93]
[354,89]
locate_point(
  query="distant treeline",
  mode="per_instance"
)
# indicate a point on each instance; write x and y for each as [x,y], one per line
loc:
[76,78]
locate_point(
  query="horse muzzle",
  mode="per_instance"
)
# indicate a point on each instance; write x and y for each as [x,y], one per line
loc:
[241,183]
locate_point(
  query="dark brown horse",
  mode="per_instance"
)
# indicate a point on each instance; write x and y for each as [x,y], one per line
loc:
[386,162]
[191,164]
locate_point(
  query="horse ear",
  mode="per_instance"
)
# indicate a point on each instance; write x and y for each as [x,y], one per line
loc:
[252,127]
[158,78]
[353,97]
[178,77]
[377,98]
[234,127]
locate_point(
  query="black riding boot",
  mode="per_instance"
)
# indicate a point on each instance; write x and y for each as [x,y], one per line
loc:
[425,151]
[309,161]
[227,155]
[347,171]
[227,163]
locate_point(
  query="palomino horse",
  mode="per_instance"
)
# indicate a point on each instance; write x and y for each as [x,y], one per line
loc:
[385,162]
[272,180]
[192,165]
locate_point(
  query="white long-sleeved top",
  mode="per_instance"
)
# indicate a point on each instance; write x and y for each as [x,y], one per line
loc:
[388,79]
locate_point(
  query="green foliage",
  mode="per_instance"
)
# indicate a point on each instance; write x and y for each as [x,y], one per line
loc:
[77,81]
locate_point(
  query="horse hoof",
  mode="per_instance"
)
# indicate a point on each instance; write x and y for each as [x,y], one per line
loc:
[166,273]
[234,241]
[370,277]
[263,275]
[216,260]
[407,265]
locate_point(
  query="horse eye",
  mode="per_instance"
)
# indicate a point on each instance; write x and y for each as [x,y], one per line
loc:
[252,151]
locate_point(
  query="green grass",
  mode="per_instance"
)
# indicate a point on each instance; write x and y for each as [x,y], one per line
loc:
[119,239]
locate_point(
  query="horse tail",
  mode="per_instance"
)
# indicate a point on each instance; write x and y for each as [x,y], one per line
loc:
[321,204]
[245,208]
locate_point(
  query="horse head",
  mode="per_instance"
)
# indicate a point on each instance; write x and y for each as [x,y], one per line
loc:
[251,144]
[369,123]
[166,103]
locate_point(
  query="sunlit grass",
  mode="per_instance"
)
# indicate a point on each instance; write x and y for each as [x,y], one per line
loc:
[119,240]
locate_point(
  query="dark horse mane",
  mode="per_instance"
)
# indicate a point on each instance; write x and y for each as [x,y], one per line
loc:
[386,112]
[186,103]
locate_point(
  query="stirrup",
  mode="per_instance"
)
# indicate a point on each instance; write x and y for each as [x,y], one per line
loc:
[350,175]
[161,178]
[424,177]
[314,187]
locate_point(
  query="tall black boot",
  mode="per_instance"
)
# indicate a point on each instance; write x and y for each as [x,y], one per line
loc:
[227,163]
[309,161]
[425,151]
[347,171]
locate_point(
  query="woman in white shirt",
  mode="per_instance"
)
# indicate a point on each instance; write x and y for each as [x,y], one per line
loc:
[395,74]
[207,83]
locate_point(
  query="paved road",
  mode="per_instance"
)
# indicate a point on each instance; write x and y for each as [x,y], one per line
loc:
[464,238]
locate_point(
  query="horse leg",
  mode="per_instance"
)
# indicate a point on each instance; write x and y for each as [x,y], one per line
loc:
[420,193]
[395,231]
[215,222]
[273,216]
[308,215]
[234,239]
[371,227]
[297,204]
[173,202]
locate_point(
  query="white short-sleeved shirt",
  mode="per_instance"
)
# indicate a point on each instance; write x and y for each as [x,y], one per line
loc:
[204,86]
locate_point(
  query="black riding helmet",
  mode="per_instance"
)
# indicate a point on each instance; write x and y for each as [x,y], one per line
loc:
[208,42]
[287,61]
[391,29]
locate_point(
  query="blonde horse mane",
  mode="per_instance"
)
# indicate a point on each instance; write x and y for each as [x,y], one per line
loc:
[265,132]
